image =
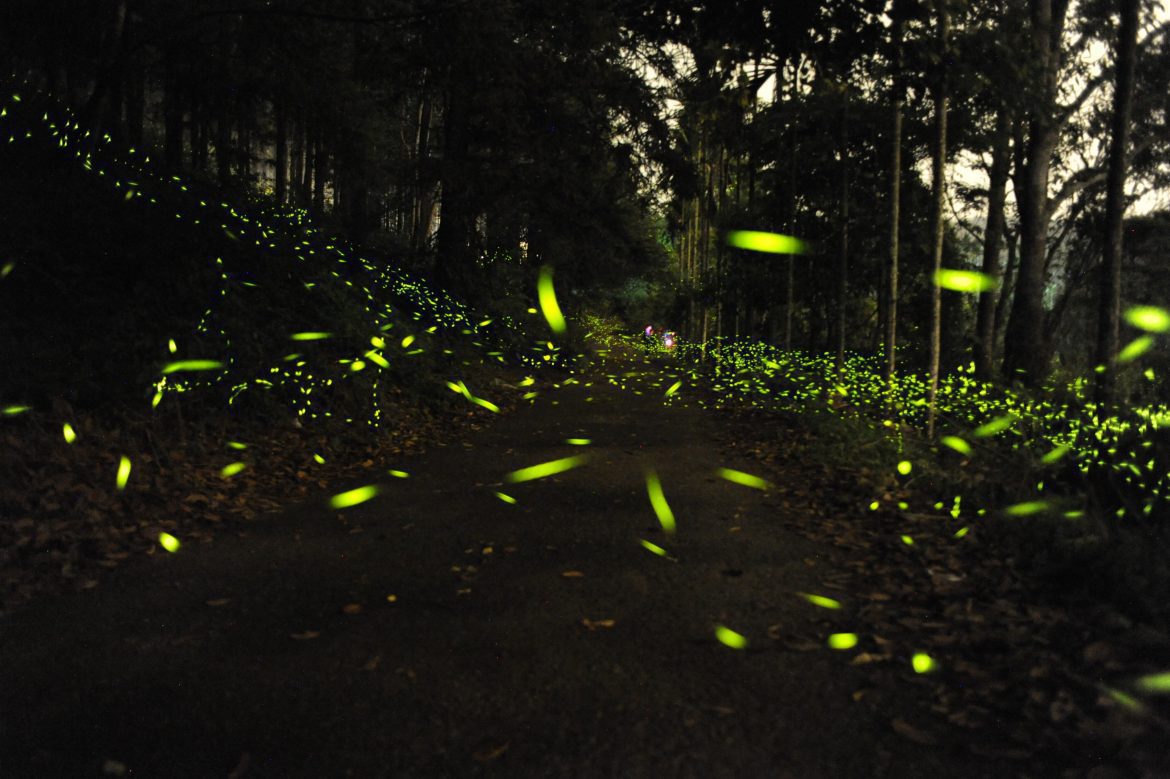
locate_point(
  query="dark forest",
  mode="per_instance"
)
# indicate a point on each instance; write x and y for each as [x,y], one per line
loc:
[585,388]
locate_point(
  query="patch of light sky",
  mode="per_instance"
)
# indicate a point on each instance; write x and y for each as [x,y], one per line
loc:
[968,169]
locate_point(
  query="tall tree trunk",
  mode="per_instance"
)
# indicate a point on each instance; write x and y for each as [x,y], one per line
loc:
[938,174]
[320,171]
[172,117]
[422,190]
[1109,313]
[296,161]
[456,220]
[790,264]
[992,242]
[843,257]
[136,105]
[1007,288]
[1025,347]
[280,184]
[891,307]
[223,138]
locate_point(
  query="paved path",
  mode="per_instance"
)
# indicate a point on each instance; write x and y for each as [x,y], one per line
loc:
[482,664]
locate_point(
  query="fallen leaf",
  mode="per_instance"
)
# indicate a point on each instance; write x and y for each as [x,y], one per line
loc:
[490,754]
[866,657]
[351,608]
[572,574]
[306,635]
[906,730]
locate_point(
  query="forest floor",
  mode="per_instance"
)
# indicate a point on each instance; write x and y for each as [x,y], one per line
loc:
[441,631]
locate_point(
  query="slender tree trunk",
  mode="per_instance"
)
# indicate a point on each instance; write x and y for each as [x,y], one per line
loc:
[172,118]
[891,309]
[843,258]
[1025,347]
[320,171]
[456,220]
[296,163]
[1007,288]
[136,105]
[1109,313]
[938,172]
[421,195]
[280,185]
[790,264]
[223,139]
[992,242]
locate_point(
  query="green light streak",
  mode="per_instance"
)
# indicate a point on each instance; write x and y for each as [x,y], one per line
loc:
[820,600]
[964,281]
[544,470]
[232,469]
[1149,318]
[658,502]
[344,500]
[548,300]
[729,637]
[123,472]
[769,243]
[745,479]
[956,443]
[191,365]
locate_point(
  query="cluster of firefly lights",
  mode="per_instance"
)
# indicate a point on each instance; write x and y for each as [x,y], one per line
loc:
[743,369]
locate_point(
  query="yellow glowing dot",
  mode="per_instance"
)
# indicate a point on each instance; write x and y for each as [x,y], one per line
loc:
[320,460]
[923,663]
[398,474]
[907,540]
[904,467]
[407,341]
[673,388]
[506,498]
[578,441]
[67,431]
[168,542]
[842,640]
